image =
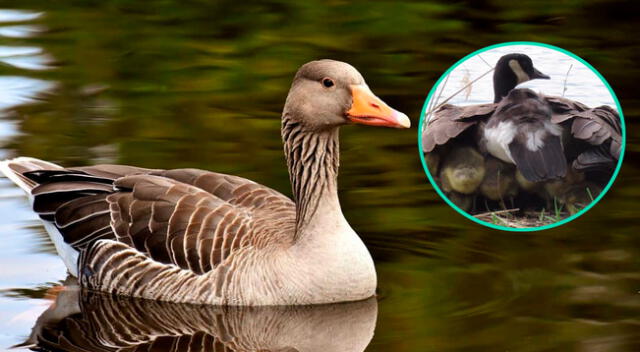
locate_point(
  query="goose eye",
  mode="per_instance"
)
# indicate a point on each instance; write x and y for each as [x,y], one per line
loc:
[327,82]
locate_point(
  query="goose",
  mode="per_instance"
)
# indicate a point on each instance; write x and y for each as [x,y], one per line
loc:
[462,170]
[94,321]
[520,132]
[499,181]
[460,175]
[510,70]
[189,235]
[450,121]
[590,137]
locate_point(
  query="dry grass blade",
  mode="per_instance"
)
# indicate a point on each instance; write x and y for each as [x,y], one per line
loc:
[508,218]
[438,106]
[437,98]
[465,83]
[566,77]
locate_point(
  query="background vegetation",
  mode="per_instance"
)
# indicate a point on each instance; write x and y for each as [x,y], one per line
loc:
[201,84]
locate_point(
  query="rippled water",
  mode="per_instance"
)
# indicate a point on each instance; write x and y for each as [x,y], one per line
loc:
[202,85]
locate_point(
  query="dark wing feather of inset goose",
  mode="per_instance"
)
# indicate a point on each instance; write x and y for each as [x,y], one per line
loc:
[190,218]
[449,121]
[589,124]
[600,130]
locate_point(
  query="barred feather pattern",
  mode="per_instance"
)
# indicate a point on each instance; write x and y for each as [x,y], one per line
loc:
[177,242]
[181,235]
[313,160]
[189,235]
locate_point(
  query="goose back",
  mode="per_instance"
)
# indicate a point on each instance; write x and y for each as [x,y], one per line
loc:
[160,234]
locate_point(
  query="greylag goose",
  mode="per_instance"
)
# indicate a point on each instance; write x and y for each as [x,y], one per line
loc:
[92,321]
[188,235]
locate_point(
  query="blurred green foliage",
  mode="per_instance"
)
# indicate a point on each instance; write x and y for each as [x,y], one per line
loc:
[201,84]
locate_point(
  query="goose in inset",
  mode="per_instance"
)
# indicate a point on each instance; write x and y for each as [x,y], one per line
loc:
[576,138]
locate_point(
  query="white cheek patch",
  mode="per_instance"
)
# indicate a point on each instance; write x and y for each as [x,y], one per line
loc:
[517,69]
[498,139]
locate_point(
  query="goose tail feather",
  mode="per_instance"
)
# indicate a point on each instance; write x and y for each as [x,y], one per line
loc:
[14,170]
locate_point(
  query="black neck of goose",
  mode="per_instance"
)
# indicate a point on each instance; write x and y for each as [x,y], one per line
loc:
[313,158]
[504,80]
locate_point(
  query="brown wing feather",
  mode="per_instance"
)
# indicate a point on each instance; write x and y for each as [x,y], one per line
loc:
[599,127]
[191,218]
[449,121]
[561,106]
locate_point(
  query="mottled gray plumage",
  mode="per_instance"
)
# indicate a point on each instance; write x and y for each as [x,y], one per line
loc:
[535,146]
[600,126]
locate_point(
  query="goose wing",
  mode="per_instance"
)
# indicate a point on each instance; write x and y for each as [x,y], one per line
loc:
[593,125]
[449,121]
[190,218]
[596,134]
[562,106]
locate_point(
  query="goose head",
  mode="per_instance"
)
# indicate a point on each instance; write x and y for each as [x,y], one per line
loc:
[326,94]
[511,70]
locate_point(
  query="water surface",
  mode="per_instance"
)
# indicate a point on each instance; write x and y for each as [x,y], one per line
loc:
[202,84]
[568,77]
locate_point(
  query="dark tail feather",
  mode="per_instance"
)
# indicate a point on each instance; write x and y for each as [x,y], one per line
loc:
[546,163]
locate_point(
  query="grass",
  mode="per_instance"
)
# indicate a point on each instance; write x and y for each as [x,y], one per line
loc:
[514,218]
[589,193]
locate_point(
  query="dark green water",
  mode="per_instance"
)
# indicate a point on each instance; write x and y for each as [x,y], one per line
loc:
[202,83]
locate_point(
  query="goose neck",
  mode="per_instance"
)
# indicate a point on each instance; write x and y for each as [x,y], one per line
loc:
[503,82]
[313,161]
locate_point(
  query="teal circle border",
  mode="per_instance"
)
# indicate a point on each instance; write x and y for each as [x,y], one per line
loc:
[527,229]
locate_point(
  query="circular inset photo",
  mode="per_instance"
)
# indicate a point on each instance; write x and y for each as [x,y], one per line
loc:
[521,136]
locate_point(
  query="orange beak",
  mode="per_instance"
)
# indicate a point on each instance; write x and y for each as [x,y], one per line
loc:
[367,109]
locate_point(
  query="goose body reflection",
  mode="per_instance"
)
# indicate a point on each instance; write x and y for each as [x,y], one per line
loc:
[80,320]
